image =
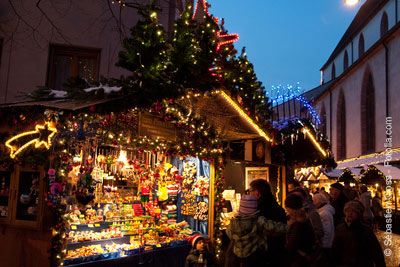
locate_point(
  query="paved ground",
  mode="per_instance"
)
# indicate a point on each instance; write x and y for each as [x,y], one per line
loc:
[392,260]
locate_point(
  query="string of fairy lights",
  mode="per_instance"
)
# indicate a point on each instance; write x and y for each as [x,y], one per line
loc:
[283,94]
[118,129]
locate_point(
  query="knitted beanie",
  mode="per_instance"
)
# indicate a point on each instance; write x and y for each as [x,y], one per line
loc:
[356,206]
[194,239]
[294,201]
[248,205]
[321,198]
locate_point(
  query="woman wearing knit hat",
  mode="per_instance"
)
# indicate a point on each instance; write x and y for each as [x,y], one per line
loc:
[248,234]
[300,240]
[355,244]
[198,256]
[326,212]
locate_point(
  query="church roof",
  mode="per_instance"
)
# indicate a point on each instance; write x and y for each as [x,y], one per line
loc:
[367,11]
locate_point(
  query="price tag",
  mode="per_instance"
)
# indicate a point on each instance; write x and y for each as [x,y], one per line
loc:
[158,245]
[90,225]
[97,225]
[73,227]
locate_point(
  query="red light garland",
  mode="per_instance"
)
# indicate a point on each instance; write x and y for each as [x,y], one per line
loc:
[229,38]
[223,38]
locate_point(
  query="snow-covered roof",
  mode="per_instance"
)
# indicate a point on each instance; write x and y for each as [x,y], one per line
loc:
[370,159]
[391,171]
[62,103]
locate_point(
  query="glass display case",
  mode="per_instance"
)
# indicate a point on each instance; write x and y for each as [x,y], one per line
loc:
[5,195]
[21,197]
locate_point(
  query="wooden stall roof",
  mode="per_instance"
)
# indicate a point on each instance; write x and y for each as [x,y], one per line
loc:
[66,104]
[218,112]
[215,110]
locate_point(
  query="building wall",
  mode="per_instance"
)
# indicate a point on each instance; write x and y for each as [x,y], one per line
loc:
[351,85]
[90,23]
[394,86]
[371,34]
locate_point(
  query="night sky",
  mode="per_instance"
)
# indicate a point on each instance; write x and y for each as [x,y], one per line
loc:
[288,41]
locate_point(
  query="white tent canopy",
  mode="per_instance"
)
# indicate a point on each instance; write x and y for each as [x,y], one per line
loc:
[392,171]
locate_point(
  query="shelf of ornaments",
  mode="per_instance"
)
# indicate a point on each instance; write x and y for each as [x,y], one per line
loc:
[116,240]
[101,225]
[112,251]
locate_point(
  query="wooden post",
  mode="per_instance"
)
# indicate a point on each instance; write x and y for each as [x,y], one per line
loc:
[211,203]
[395,196]
[283,185]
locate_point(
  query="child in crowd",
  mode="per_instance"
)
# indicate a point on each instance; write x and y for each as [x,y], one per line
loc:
[198,256]
[248,234]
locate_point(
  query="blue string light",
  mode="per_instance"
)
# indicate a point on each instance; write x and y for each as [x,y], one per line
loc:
[281,94]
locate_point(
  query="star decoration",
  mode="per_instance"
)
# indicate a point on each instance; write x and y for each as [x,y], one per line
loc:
[46,133]
[226,39]
[201,12]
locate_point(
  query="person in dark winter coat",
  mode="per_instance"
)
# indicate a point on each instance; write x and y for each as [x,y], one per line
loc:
[338,202]
[312,213]
[271,210]
[300,239]
[349,192]
[249,233]
[355,244]
[377,209]
[198,256]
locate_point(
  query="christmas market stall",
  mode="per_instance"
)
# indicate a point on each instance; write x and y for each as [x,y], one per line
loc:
[305,152]
[124,171]
[383,181]
[121,181]
[317,177]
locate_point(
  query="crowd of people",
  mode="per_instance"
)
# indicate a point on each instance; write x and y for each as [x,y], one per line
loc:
[314,229]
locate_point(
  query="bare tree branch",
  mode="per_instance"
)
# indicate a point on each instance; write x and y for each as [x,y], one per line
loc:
[20,18]
[116,21]
[51,22]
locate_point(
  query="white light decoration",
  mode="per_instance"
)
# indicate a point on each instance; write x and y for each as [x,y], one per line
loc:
[317,145]
[245,116]
[122,157]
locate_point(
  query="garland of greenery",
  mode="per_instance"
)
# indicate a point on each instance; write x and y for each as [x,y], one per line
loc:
[347,175]
[162,69]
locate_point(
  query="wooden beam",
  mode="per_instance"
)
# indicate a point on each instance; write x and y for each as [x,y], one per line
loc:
[211,203]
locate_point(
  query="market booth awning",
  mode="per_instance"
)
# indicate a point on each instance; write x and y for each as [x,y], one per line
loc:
[229,119]
[64,104]
[389,170]
[370,159]
[300,144]
[319,172]
[219,110]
